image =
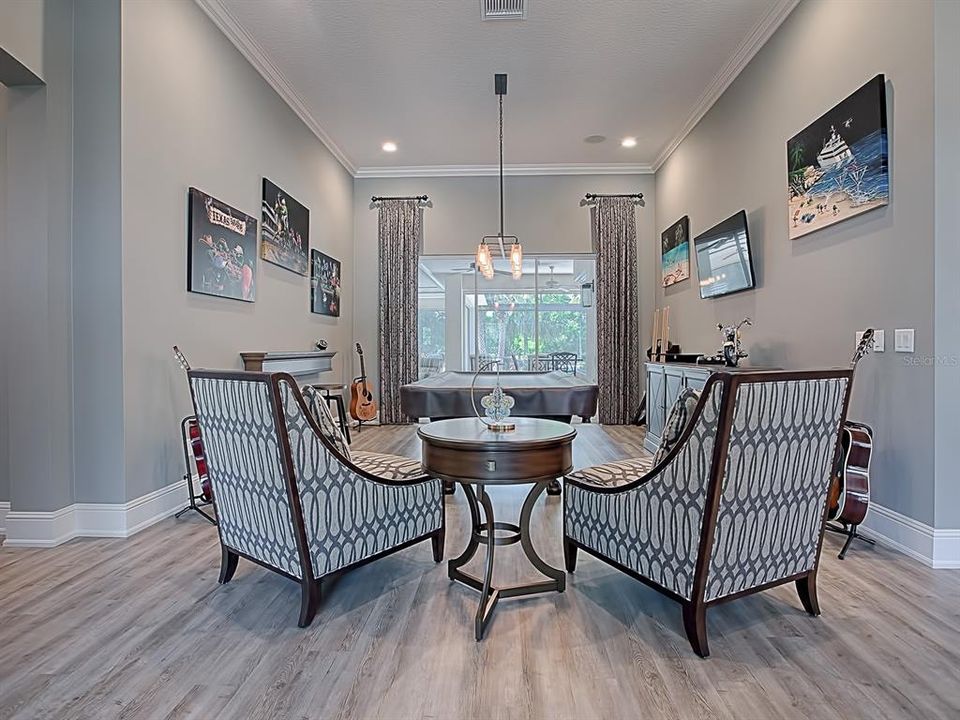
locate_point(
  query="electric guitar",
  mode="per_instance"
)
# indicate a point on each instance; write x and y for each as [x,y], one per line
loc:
[850,487]
[196,442]
[362,405]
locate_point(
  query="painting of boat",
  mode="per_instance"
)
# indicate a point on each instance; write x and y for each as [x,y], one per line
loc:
[835,151]
[837,167]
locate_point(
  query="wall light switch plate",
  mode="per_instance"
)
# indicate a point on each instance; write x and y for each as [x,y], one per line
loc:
[903,340]
[877,340]
[878,343]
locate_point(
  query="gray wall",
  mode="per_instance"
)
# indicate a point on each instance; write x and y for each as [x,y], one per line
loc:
[196,113]
[947,219]
[97,284]
[544,212]
[36,274]
[4,330]
[22,32]
[876,269]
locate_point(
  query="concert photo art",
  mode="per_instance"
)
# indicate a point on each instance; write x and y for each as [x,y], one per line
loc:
[675,252]
[285,235]
[221,249]
[324,284]
[837,166]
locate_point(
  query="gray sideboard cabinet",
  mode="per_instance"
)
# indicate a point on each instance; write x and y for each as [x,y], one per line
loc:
[665,381]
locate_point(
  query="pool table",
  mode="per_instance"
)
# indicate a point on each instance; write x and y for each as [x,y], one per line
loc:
[552,395]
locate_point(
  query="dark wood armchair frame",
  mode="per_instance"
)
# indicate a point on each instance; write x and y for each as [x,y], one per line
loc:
[695,609]
[310,586]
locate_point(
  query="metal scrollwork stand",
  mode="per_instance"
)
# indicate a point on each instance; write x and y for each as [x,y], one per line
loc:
[483,532]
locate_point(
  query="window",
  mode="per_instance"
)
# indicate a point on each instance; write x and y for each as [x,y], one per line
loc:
[542,322]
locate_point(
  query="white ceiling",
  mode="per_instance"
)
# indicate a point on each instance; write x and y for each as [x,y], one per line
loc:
[420,73]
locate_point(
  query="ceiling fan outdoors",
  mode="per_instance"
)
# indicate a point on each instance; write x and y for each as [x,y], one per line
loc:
[552,282]
[471,268]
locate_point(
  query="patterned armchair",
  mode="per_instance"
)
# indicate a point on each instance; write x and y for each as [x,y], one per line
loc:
[736,506]
[286,496]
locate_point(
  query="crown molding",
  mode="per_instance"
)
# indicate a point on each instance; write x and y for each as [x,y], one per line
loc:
[258,57]
[750,46]
[415,171]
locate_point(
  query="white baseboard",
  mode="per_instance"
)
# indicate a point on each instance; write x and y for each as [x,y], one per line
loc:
[49,529]
[40,529]
[4,510]
[933,547]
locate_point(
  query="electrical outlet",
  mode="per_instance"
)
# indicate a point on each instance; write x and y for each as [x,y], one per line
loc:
[903,340]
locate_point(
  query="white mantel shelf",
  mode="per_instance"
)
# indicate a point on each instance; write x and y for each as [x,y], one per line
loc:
[295,362]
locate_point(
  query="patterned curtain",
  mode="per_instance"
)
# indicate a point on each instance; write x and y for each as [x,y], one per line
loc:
[618,332]
[400,230]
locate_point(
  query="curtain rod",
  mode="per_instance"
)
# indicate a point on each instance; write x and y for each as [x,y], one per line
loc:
[594,196]
[418,198]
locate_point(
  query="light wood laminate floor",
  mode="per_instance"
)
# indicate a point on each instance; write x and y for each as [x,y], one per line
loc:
[139,628]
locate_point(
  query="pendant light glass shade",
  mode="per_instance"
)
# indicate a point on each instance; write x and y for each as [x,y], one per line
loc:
[516,261]
[484,261]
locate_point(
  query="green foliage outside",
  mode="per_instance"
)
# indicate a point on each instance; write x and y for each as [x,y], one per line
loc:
[510,330]
[432,332]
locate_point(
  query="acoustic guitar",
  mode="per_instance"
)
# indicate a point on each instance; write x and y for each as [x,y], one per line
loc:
[196,441]
[849,496]
[362,405]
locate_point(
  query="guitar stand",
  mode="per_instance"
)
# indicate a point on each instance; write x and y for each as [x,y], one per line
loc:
[850,531]
[195,501]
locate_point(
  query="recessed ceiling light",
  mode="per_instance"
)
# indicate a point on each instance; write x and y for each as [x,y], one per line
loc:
[389,147]
[629,142]
[594,139]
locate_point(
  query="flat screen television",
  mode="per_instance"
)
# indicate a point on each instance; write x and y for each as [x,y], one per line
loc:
[724,262]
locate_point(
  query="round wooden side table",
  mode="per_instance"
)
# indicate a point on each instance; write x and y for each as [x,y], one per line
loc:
[465,451]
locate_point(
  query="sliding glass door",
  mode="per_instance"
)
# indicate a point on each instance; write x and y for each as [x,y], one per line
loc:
[542,322]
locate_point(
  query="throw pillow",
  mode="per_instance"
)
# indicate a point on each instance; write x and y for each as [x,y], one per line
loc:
[680,415]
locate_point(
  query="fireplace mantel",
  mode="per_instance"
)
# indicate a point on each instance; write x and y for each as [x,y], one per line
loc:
[307,362]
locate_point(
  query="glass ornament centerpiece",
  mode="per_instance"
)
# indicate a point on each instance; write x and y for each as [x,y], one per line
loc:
[496,405]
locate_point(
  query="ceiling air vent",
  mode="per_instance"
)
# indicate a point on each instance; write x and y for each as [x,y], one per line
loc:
[503,9]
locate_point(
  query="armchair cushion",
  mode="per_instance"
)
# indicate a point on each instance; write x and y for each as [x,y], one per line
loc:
[620,472]
[391,467]
[614,474]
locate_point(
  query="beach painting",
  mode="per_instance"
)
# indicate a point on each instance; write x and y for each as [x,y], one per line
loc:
[837,165]
[675,252]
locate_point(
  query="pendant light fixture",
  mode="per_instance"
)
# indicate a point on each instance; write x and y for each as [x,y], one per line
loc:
[484,256]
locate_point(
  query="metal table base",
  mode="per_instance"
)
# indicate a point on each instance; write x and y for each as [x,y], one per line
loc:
[484,531]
